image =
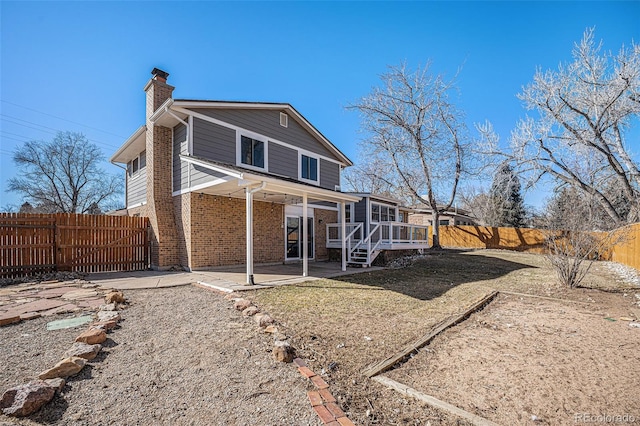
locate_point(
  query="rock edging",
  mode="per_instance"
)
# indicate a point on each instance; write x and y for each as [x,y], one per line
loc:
[26,399]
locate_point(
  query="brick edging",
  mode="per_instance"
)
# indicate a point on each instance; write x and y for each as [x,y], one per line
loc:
[322,402]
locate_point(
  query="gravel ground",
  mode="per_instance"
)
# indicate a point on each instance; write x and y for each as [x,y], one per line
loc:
[182,356]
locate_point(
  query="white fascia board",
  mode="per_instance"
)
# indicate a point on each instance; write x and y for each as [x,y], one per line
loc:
[115,157]
[162,109]
[213,167]
[379,197]
[290,109]
[295,188]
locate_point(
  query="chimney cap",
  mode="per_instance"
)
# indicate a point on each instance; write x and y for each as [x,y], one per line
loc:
[160,74]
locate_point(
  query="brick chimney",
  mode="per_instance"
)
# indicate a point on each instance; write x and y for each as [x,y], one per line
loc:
[164,239]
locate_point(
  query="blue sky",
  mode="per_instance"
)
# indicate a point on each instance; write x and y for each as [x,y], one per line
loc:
[81,66]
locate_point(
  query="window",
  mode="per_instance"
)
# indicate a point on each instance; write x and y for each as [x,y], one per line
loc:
[309,168]
[137,164]
[252,152]
[375,213]
[347,213]
[444,222]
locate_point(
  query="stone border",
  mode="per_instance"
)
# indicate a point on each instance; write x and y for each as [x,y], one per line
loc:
[24,400]
[322,402]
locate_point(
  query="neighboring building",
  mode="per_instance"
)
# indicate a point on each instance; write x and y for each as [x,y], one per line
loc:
[228,183]
[451,217]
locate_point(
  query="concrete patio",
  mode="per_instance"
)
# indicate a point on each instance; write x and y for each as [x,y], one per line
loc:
[227,279]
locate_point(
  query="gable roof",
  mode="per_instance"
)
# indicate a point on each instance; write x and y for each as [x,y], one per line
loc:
[300,119]
[172,111]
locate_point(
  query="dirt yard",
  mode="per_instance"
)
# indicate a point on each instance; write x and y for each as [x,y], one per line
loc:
[183,356]
[525,358]
[343,326]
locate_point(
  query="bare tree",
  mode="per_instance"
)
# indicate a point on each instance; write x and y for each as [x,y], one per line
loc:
[583,113]
[572,244]
[478,202]
[63,175]
[417,133]
[366,176]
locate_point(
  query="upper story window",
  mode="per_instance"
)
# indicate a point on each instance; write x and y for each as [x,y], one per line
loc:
[137,164]
[309,168]
[252,152]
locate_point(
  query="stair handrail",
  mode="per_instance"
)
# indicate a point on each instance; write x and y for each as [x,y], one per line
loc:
[348,240]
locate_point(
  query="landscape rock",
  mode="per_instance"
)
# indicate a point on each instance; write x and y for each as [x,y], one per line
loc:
[57,384]
[106,325]
[114,297]
[83,350]
[29,316]
[250,311]
[26,399]
[8,318]
[283,352]
[242,304]
[108,307]
[271,329]
[108,316]
[92,336]
[263,320]
[65,368]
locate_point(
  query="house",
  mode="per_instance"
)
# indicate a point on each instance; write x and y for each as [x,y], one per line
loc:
[451,217]
[375,224]
[227,183]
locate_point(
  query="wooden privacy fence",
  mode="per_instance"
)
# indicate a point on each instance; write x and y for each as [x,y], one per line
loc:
[627,251]
[39,243]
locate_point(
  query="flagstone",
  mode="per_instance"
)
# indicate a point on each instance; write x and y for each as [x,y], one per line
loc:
[84,293]
[90,303]
[37,306]
[56,292]
[69,307]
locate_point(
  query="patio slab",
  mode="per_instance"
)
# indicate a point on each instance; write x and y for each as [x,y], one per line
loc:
[230,278]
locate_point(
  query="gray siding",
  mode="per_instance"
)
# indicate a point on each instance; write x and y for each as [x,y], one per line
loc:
[180,173]
[267,123]
[214,142]
[137,188]
[329,174]
[361,212]
[200,175]
[283,161]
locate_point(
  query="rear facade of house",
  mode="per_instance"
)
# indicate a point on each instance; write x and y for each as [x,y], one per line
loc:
[210,173]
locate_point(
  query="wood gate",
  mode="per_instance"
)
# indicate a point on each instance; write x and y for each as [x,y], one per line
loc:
[40,243]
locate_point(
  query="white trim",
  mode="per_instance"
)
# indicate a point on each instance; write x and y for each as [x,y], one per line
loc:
[292,111]
[190,136]
[206,165]
[173,169]
[284,119]
[137,205]
[300,178]
[318,206]
[243,130]
[257,137]
[196,188]
[139,131]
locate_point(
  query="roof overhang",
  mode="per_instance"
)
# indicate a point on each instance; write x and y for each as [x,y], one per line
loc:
[245,179]
[132,147]
[264,106]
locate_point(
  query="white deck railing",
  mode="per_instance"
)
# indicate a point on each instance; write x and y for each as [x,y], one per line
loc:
[382,235]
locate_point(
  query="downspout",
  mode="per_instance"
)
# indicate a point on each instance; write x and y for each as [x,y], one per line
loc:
[249,208]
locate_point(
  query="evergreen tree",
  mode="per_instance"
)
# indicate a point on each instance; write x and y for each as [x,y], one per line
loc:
[507,203]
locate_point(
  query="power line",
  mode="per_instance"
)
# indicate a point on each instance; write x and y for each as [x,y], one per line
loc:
[64,119]
[51,130]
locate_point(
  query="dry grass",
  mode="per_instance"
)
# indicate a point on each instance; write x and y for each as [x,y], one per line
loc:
[355,321]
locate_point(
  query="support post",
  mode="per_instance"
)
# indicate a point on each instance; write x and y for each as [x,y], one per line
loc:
[305,237]
[343,232]
[249,209]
